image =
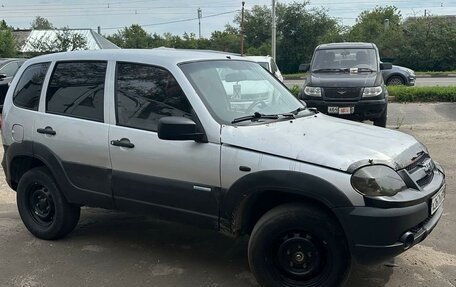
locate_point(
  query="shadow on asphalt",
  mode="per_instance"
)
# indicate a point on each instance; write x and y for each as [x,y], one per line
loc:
[187,245]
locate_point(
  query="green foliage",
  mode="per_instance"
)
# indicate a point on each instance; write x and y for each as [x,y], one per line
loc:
[423,94]
[41,23]
[295,90]
[257,26]
[65,40]
[225,41]
[429,44]
[132,37]
[301,30]
[7,41]
[421,44]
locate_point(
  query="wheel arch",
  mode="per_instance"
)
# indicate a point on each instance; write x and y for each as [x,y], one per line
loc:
[253,195]
[404,79]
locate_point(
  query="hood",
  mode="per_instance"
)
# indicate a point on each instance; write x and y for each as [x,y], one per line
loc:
[346,80]
[327,141]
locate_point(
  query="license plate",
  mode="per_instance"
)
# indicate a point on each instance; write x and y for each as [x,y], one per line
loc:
[437,200]
[341,110]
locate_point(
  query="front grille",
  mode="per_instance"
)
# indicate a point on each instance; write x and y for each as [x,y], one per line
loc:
[342,93]
[425,180]
[410,168]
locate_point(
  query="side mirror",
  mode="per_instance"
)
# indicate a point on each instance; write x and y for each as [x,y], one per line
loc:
[3,76]
[304,67]
[386,66]
[178,129]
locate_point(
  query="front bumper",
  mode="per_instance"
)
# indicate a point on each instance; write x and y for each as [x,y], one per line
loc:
[363,109]
[376,234]
[411,80]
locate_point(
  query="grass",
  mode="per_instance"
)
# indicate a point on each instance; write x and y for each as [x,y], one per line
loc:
[423,94]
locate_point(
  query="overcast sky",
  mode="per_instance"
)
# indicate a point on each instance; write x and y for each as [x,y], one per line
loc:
[155,15]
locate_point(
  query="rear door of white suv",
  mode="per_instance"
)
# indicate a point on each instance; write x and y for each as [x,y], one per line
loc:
[71,127]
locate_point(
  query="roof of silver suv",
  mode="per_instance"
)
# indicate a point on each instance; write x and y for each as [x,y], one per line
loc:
[170,56]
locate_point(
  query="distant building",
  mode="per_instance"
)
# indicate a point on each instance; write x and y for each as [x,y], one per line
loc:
[27,39]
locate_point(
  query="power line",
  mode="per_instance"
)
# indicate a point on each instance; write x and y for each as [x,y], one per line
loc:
[175,21]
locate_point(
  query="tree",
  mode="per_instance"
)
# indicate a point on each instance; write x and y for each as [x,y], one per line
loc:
[7,41]
[132,37]
[257,26]
[371,27]
[429,44]
[225,41]
[41,23]
[64,40]
[300,31]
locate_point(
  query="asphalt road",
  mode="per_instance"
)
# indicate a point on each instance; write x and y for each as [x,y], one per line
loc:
[117,249]
[420,82]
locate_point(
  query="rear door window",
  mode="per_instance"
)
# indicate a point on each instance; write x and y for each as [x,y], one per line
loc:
[76,89]
[28,89]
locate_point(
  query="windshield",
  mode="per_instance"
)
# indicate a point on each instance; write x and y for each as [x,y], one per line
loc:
[231,89]
[344,59]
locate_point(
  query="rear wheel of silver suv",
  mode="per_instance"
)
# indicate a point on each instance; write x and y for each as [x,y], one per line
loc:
[42,207]
[296,245]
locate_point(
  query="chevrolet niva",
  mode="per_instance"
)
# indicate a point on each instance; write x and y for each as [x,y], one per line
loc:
[162,132]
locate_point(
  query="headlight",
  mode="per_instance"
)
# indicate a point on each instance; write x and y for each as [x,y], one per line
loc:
[312,91]
[372,91]
[377,180]
[411,72]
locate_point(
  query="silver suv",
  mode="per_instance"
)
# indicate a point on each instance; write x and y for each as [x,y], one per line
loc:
[163,133]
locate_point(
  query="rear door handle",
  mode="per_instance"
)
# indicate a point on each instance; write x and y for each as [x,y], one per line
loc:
[123,142]
[47,131]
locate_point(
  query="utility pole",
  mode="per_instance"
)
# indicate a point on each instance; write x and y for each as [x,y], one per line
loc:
[274,28]
[242,29]
[386,24]
[200,15]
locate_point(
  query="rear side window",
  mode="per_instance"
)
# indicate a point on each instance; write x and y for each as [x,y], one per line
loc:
[28,89]
[144,94]
[76,89]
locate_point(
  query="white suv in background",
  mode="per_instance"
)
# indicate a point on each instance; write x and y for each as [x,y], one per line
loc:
[268,63]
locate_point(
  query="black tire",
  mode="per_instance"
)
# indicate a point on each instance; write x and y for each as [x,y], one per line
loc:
[307,239]
[381,121]
[42,207]
[395,81]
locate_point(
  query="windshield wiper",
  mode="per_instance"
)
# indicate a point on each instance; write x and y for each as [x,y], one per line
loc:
[255,116]
[330,70]
[293,113]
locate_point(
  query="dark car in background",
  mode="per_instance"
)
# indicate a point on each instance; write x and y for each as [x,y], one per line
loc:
[346,81]
[8,68]
[398,75]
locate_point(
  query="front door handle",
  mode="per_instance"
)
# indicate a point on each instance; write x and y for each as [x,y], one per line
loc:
[123,142]
[47,131]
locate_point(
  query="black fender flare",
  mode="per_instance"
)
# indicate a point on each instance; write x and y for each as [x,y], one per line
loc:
[290,182]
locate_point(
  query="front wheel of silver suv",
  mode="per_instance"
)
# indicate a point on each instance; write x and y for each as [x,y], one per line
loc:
[296,245]
[42,207]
